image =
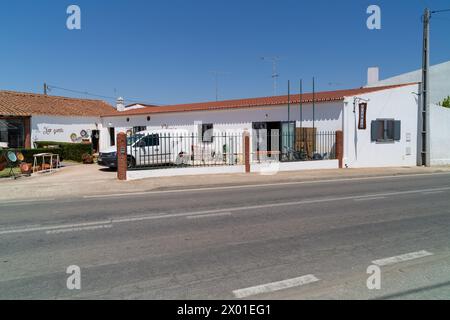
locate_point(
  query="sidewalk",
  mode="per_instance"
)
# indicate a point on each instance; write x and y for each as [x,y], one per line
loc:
[85,180]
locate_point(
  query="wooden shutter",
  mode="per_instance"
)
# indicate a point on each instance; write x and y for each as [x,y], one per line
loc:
[397,130]
[374,130]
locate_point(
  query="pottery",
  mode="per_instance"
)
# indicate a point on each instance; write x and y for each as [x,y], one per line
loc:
[25,168]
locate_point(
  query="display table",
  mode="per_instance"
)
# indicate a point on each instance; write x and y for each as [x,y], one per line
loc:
[43,157]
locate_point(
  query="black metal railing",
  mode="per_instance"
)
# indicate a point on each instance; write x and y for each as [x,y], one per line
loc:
[169,150]
[301,145]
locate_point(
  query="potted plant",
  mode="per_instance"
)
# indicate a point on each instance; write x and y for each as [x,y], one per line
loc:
[87,158]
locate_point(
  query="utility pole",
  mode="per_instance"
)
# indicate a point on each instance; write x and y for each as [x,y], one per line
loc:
[425,92]
[216,76]
[425,159]
[45,89]
[275,74]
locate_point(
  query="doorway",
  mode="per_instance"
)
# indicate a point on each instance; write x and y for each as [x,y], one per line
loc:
[268,139]
[273,140]
[95,140]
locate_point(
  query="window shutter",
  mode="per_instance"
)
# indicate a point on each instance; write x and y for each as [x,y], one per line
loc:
[374,130]
[397,130]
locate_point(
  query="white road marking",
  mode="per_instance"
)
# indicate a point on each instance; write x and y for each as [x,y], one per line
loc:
[49,228]
[402,258]
[220,211]
[20,202]
[21,227]
[370,199]
[433,192]
[275,286]
[79,229]
[250,186]
[213,215]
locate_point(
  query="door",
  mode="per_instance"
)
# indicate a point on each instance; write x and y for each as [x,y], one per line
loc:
[287,140]
[260,146]
[95,140]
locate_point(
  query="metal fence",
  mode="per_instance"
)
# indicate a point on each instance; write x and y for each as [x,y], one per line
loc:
[300,145]
[167,150]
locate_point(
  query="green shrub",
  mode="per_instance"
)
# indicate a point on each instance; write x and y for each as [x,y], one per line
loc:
[446,102]
[29,153]
[69,151]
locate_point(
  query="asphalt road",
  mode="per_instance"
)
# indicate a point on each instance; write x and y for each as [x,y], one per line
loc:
[310,240]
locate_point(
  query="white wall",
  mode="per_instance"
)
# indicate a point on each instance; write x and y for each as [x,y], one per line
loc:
[440,135]
[59,129]
[328,118]
[399,104]
[439,81]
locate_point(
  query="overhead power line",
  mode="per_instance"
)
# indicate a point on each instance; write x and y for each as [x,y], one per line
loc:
[51,87]
[440,11]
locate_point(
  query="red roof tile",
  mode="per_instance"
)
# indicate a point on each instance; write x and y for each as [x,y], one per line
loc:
[28,104]
[324,96]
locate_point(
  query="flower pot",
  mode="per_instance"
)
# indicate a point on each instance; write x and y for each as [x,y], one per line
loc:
[26,168]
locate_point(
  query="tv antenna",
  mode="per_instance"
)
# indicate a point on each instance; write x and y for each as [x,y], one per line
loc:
[216,75]
[275,74]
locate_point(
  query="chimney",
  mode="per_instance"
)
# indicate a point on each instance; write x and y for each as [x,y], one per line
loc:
[373,75]
[120,104]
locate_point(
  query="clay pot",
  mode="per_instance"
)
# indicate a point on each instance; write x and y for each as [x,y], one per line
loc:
[25,168]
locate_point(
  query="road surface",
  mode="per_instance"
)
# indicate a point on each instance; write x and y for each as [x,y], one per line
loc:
[305,240]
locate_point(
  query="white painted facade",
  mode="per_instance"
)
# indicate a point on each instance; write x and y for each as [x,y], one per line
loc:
[60,129]
[439,117]
[439,81]
[328,117]
[398,104]
[440,135]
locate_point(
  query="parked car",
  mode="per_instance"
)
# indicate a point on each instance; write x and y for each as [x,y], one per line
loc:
[150,148]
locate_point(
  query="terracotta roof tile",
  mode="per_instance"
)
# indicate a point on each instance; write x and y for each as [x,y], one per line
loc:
[324,96]
[28,104]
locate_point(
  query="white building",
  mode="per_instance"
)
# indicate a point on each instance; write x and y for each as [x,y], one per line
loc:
[439,116]
[379,122]
[386,135]
[26,118]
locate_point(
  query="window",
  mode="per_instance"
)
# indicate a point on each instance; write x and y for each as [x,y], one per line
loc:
[139,129]
[12,133]
[112,136]
[386,130]
[151,140]
[3,132]
[207,133]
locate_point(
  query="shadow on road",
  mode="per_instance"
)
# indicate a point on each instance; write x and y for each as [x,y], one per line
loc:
[413,291]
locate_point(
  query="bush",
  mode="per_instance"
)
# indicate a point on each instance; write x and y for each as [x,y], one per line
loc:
[446,102]
[29,153]
[69,151]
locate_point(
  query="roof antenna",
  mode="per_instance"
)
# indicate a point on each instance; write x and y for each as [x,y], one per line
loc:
[275,74]
[217,74]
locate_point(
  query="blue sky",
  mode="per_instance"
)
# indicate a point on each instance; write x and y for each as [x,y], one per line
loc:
[163,51]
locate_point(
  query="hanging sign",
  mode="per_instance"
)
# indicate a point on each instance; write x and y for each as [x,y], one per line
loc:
[362,116]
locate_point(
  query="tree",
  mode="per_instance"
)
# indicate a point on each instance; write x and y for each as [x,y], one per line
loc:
[446,102]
